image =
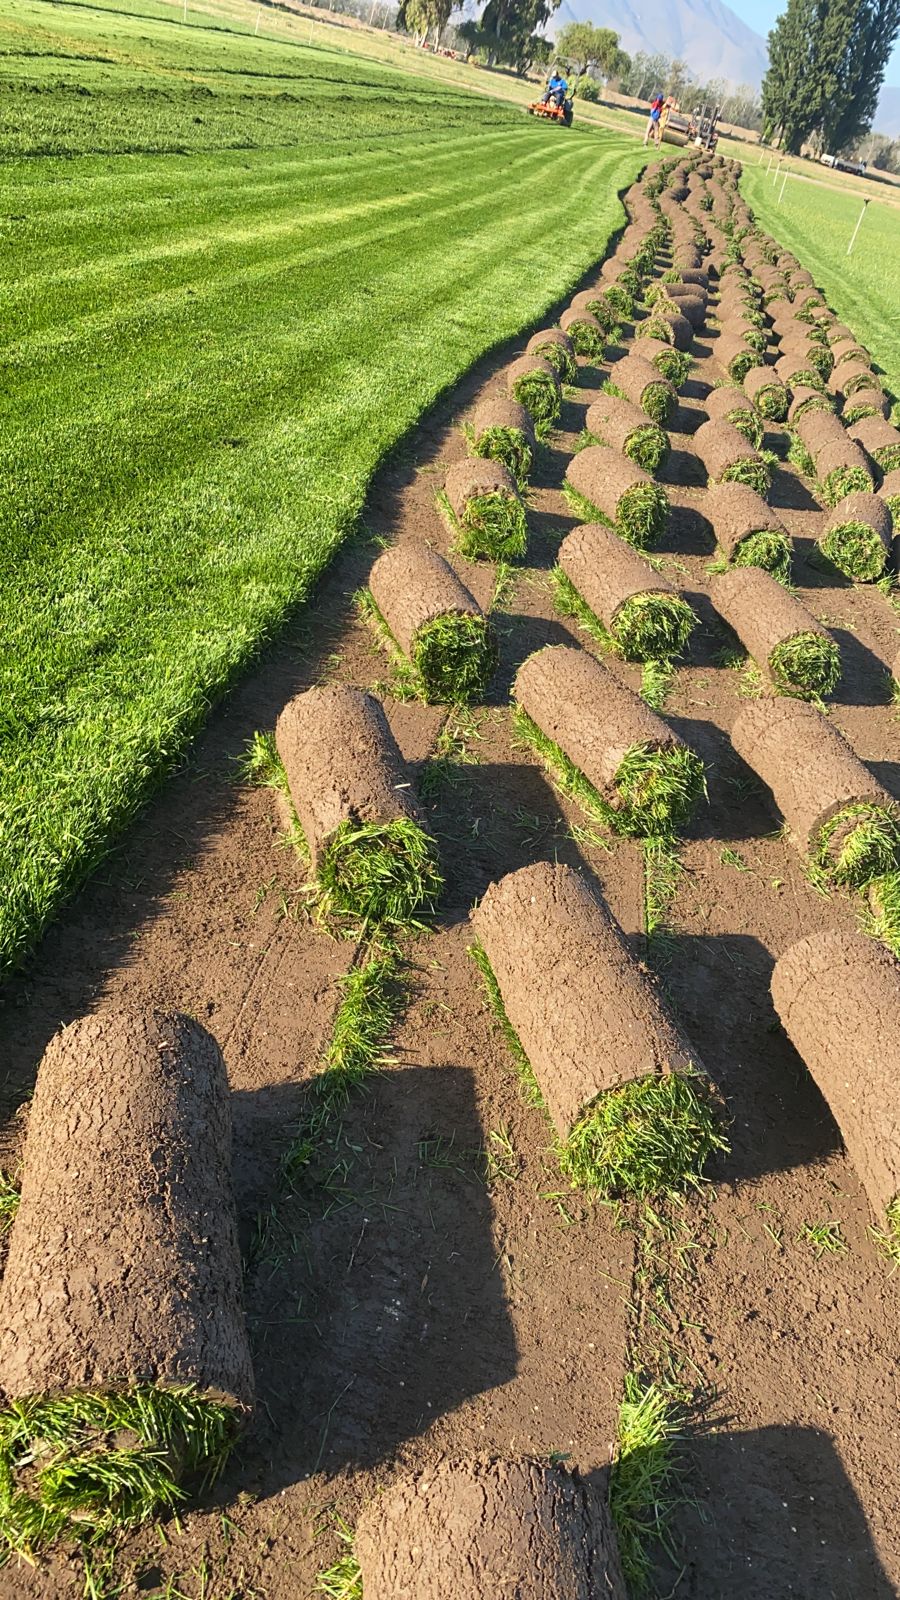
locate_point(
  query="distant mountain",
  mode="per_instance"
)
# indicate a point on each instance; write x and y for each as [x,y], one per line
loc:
[713,41]
[887,117]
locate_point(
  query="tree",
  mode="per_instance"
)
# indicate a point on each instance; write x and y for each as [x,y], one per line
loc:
[789,92]
[865,43]
[507,27]
[581,45]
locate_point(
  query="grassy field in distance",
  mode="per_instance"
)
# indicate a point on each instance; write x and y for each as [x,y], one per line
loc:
[235,272]
[817,224]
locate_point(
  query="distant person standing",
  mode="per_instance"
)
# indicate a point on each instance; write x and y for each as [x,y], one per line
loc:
[653,128]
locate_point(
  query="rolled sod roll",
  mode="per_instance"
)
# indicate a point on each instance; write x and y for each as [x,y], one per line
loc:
[594,301]
[839,815]
[857,536]
[502,430]
[838,999]
[585,331]
[681,326]
[805,399]
[849,350]
[535,384]
[556,347]
[691,306]
[818,428]
[644,613]
[606,484]
[729,458]
[734,354]
[880,439]
[624,426]
[806,353]
[842,468]
[796,370]
[730,404]
[778,631]
[485,510]
[853,375]
[123,1340]
[354,800]
[463,1530]
[671,363]
[638,380]
[839,331]
[598,1038]
[865,403]
[641,776]
[437,623]
[767,392]
[749,533]
[890,494]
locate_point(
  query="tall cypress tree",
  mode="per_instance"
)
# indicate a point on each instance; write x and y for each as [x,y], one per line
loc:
[865,46]
[789,96]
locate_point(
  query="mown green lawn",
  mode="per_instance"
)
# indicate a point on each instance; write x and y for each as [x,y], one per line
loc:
[817,223]
[207,348]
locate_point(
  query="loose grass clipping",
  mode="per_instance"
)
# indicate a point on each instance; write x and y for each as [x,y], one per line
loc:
[485,511]
[642,612]
[633,1111]
[767,392]
[466,1530]
[604,746]
[535,384]
[502,430]
[857,536]
[556,347]
[728,458]
[123,1352]
[437,624]
[373,861]
[606,485]
[841,818]
[748,532]
[625,427]
[730,404]
[779,632]
[838,998]
[637,380]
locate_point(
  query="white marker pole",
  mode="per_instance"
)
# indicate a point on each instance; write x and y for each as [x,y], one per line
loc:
[258,11]
[769,167]
[783,182]
[856,229]
[776,172]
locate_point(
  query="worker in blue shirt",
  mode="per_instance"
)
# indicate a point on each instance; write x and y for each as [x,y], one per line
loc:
[556,90]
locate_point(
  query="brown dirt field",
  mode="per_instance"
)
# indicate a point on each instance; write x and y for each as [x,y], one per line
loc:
[401,1307]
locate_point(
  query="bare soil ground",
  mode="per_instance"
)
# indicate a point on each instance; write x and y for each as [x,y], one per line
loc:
[412,1298]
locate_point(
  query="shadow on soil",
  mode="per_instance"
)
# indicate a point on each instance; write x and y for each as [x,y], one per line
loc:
[373,1297]
[775,1515]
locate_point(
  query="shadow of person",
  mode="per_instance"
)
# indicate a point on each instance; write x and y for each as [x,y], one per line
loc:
[773,1514]
[372,1297]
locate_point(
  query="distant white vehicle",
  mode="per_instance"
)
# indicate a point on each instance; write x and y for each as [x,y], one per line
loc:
[859,167]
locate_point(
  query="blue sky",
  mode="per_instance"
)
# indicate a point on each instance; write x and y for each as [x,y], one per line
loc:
[761,14]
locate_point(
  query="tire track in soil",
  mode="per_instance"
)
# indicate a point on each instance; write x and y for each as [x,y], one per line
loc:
[418,1311]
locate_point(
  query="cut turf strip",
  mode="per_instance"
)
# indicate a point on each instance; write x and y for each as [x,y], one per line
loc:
[633,1111]
[123,1353]
[625,427]
[842,468]
[605,746]
[840,817]
[585,331]
[670,363]
[730,404]
[638,381]
[373,861]
[748,532]
[465,1530]
[485,511]
[643,613]
[838,998]
[605,484]
[502,430]
[857,536]
[534,382]
[437,623]
[728,458]
[779,632]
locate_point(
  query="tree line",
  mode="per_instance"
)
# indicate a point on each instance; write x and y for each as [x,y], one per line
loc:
[827,60]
